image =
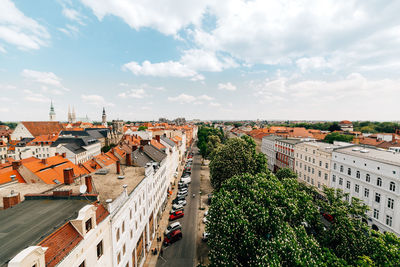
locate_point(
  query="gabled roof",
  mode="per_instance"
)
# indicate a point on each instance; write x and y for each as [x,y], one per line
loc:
[157,144]
[43,139]
[37,128]
[7,172]
[154,153]
[167,140]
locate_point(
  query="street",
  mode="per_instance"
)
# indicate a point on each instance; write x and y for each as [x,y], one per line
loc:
[183,252]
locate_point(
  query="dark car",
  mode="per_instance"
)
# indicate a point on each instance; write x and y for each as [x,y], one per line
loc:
[176,200]
[172,237]
[176,215]
[182,185]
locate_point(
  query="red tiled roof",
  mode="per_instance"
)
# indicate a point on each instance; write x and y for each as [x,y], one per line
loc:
[37,128]
[91,166]
[103,160]
[157,144]
[43,139]
[345,122]
[60,244]
[101,212]
[5,175]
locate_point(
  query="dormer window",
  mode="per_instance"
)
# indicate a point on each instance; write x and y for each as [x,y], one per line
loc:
[88,225]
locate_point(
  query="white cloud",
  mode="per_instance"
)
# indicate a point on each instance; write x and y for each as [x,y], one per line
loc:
[20,30]
[73,14]
[205,97]
[96,100]
[214,104]
[69,30]
[226,86]
[202,60]
[162,69]
[182,98]
[133,93]
[46,78]
[167,17]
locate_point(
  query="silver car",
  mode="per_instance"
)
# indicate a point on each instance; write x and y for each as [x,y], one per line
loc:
[172,227]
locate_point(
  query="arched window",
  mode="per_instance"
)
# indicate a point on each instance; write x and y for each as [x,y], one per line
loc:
[392,186]
[367,178]
[379,181]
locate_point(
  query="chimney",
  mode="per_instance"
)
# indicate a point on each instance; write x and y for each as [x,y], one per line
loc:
[62,193]
[144,142]
[88,183]
[118,167]
[158,138]
[68,176]
[11,200]
[141,148]
[64,155]
[128,159]
[16,164]
[44,161]
[393,138]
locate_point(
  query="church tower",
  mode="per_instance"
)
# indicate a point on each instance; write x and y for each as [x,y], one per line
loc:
[52,114]
[104,118]
[73,115]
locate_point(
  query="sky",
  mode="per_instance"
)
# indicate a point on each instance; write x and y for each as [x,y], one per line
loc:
[225,59]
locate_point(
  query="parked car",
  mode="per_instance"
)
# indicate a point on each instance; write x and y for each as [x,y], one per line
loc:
[179,201]
[206,213]
[172,227]
[188,170]
[185,175]
[183,194]
[178,198]
[176,215]
[186,180]
[328,217]
[204,236]
[182,190]
[205,220]
[176,209]
[176,206]
[173,237]
[182,185]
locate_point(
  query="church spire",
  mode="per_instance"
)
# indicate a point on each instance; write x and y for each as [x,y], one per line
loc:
[52,114]
[104,118]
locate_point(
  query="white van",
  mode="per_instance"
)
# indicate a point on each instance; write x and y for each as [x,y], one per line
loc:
[186,180]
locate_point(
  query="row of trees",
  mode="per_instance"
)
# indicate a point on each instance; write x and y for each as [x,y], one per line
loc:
[208,139]
[261,219]
[330,138]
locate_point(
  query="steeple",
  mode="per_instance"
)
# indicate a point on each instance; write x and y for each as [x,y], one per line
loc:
[52,114]
[73,115]
[104,118]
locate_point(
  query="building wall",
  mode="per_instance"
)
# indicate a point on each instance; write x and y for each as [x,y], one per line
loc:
[268,148]
[340,178]
[312,164]
[20,132]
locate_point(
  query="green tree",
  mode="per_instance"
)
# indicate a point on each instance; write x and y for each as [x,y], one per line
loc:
[236,157]
[213,142]
[334,127]
[142,128]
[330,138]
[285,173]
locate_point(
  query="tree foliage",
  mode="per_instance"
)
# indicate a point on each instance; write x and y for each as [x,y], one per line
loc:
[235,157]
[285,173]
[204,134]
[330,138]
[142,128]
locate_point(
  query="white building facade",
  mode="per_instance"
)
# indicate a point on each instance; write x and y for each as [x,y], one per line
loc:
[268,147]
[373,176]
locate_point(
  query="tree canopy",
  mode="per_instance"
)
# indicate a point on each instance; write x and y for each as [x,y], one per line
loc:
[235,157]
[330,138]
[209,134]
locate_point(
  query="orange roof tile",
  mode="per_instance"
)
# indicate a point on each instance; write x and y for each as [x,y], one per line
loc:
[101,212]
[91,166]
[37,128]
[103,160]
[5,175]
[60,243]
[43,139]
[157,144]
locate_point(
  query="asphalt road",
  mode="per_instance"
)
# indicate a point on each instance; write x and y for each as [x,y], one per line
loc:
[183,252]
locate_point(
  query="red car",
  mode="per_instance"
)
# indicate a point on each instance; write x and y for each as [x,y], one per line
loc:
[328,217]
[172,237]
[176,215]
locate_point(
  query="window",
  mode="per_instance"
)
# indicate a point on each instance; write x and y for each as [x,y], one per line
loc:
[357,188]
[319,173]
[377,197]
[334,166]
[392,186]
[367,178]
[376,214]
[347,198]
[313,161]
[341,168]
[131,234]
[319,185]
[123,226]
[117,235]
[123,249]
[312,181]
[305,158]
[130,214]
[366,192]
[340,181]
[300,165]
[379,182]
[82,264]
[305,167]
[320,163]
[326,165]
[119,258]
[349,171]
[389,220]
[334,178]
[348,185]
[312,170]
[99,249]
[358,175]
[309,168]
[390,203]
[326,176]
[88,225]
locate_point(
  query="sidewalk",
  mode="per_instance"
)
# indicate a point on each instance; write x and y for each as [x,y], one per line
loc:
[151,260]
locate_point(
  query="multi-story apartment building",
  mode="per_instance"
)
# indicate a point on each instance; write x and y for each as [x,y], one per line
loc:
[285,157]
[269,149]
[373,176]
[313,163]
